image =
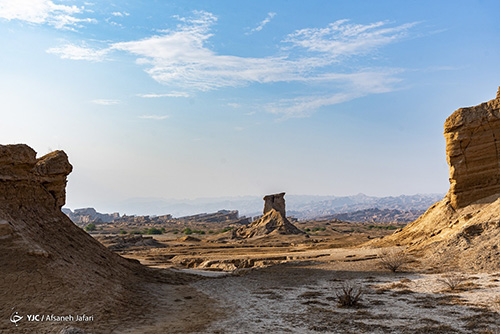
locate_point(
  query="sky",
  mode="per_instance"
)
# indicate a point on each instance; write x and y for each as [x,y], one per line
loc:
[190,99]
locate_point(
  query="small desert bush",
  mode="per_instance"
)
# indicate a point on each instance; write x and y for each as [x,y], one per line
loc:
[453,281]
[154,230]
[348,295]
[394,260]
[90,227]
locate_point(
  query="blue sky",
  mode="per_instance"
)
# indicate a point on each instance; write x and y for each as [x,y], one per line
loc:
[186,99]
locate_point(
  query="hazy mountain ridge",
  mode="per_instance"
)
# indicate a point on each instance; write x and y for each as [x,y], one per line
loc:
[300,206]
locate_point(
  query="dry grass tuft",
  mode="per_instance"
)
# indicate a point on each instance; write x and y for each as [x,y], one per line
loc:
[394,260]
[453,281]
[348,295]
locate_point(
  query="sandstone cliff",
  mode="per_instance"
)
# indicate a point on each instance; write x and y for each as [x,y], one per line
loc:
[463,230]
[48,264]
[473,152]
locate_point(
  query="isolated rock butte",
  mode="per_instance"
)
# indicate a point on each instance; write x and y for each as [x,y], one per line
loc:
[473,152]
[276,202]
[49,265]
[463,230]
[272,222]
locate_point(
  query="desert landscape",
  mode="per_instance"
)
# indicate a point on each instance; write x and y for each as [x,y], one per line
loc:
[438,274]
[248,167]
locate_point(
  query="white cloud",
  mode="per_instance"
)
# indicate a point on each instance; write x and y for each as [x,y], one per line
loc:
[341,38]
[234,105]
[182,58]
[43,12]
[263,23]
[79,52]
[354,86]
[106,102]
[120,14]
[171,94]
[154,117]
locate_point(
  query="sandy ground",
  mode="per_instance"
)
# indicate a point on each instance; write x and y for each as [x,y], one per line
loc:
[301,298]
[300,295]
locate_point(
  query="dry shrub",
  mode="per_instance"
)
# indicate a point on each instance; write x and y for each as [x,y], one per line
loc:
[453,281]
[348,295]
[394,260]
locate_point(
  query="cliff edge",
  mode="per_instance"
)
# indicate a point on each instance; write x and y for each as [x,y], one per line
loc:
[463,230]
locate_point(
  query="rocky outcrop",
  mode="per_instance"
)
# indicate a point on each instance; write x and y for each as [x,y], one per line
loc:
[473,152]
[276,202]
[463,230]
[273,221]
[48,264]
[86,216]
[19,167]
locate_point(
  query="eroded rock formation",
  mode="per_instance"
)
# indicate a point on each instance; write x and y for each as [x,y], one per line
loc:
[463,230]
[273,221]
[48,264]
[20,167]
[473,152]
[276,202]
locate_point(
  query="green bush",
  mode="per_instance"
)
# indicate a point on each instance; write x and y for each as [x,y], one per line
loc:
[153,230]
[187,231]
[90,227]
[123,232]
[227,229]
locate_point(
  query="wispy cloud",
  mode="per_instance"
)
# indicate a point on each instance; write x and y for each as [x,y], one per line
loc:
[120,14]
[354,85]
[154,117]
[43,12]
[263,23]
[79,52]
[182,58]
[106,102]
[171,94]
[341,38]
[234,105]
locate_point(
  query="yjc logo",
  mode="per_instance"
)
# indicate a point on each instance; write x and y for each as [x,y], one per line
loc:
[15,318]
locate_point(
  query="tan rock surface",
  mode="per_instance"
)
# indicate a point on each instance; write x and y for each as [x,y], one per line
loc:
[276,202]
[50,266]
[463,230]
[473,152]
[273,221]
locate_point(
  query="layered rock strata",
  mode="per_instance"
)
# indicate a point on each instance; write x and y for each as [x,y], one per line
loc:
[463,230]
[48,264]
[276,202]
[473,152]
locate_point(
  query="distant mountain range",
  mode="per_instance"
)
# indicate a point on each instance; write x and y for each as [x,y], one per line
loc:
[300,206]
